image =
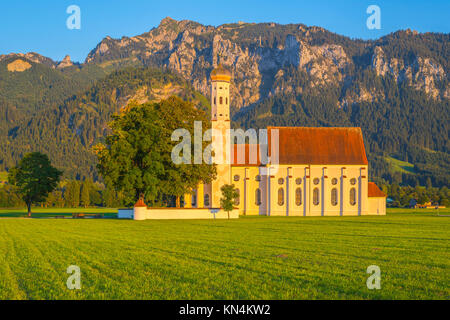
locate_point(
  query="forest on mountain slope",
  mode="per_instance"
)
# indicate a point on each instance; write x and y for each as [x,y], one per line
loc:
[67,132]
[63,112]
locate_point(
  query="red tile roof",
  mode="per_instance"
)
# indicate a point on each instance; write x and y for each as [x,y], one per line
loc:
[140,203]
[375,192]
[241,157]
[309,145]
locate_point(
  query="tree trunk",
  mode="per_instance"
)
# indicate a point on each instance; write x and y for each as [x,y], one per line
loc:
[29,209]
[228,215]
[178,201]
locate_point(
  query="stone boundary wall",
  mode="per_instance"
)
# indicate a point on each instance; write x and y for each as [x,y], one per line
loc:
[144,213]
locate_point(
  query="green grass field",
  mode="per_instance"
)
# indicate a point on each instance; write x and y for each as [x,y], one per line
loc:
[249,258]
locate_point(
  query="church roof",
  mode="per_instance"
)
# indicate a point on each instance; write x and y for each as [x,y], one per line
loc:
[375,192]
[241,157]
[320,146]
[220,74]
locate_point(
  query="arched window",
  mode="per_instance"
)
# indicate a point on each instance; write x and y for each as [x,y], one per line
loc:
[298,196]
[220,100]
[258,197]
[334,197]
[194,200]
[206,199]
[280,196]
[316,200]
[352,196]
[237,200]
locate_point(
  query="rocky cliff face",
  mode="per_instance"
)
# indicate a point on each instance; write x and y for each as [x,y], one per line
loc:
[259,54]
[422,74]
[66,62]
[31,56]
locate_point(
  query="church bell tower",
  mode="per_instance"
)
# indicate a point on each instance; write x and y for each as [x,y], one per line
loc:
[220,123]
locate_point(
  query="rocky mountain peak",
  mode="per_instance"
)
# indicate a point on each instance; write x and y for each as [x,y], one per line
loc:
[167,21]
[31,56]
[66,62]
[258,54]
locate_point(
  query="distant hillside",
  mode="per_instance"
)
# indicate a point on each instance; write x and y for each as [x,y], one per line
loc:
[396,88]
[67,132]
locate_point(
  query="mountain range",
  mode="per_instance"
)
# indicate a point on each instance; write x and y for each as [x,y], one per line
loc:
[395,88]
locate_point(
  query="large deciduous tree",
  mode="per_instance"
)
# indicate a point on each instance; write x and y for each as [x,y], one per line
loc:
[34,177]
[136,157]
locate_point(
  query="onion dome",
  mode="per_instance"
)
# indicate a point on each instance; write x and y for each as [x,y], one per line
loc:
[221,74]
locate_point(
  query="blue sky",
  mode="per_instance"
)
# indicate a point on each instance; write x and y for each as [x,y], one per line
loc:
[40,26]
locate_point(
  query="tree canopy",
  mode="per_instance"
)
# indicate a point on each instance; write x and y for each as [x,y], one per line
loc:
[34,177]
[136,157]
[229,195]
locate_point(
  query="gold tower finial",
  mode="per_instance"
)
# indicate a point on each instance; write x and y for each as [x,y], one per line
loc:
[220,73]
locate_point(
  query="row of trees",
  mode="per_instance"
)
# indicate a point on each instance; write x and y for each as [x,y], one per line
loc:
[67,194]
[402,195]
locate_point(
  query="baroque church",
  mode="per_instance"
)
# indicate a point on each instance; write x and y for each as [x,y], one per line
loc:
[318,171]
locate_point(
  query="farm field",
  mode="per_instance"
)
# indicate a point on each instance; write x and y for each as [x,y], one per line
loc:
[248,258]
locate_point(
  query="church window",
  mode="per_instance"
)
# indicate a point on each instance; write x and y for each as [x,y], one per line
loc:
[298,181]
[237,200]
[352,196]
[258,178]
[206,199]
[280,181]
[334,200]
[258,196]
[316,196]
[353,181]
[316,181]
[280,196]
[334,181]
[220,100]
[298,196]
[194,200]
[236,177]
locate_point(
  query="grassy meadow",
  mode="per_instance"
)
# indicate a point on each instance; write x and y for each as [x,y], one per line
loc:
[55,212]
[248,258]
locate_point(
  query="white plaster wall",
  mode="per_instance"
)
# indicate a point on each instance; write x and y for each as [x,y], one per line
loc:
[142,213]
